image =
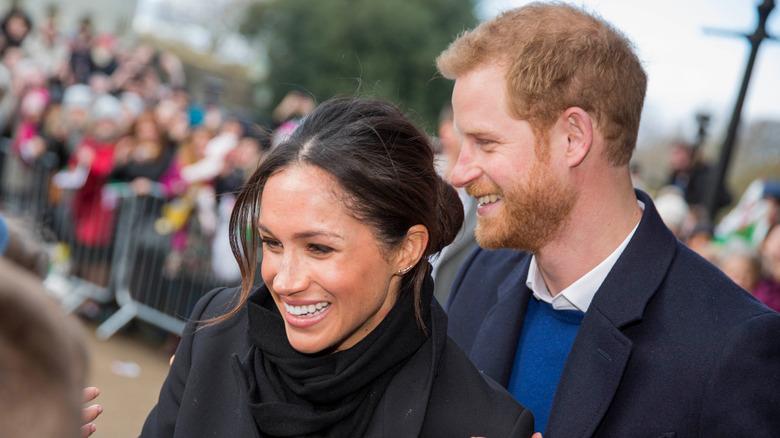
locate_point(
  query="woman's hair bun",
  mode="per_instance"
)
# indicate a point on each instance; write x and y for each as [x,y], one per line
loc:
[450,214]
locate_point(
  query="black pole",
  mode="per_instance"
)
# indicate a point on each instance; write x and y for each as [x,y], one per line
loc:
[717,181]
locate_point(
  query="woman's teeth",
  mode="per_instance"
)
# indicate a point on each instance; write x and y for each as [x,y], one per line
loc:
[489,199]
[308,310]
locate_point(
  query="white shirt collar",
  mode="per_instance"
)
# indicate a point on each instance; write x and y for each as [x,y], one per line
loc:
[579,294]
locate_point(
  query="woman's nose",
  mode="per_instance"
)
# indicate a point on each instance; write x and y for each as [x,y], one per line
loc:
[290,277]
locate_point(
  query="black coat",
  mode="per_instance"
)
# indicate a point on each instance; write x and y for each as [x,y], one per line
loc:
[669,345]
[203,395]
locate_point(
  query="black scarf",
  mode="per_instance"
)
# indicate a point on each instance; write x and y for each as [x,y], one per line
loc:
[330,395]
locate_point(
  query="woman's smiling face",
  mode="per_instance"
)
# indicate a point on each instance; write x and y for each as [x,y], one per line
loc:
[329,275]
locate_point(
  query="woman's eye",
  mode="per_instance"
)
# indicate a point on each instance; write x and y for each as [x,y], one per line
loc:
[320,249]
[271,243]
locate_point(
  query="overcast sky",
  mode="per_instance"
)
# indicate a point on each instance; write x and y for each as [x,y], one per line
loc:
[690,71]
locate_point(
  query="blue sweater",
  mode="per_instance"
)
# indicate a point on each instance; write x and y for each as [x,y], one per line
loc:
[541,352]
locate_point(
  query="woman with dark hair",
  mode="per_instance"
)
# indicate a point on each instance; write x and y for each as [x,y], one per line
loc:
[343,338]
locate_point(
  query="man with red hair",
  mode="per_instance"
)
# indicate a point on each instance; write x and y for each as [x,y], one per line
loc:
[581,301]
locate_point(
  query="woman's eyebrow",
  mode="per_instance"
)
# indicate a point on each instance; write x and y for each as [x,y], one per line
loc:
[309,234]
[305,234]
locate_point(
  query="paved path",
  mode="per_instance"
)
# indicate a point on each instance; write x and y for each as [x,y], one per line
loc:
[126,400]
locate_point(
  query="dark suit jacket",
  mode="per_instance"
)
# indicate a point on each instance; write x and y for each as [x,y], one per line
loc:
[204,394]
[669,346]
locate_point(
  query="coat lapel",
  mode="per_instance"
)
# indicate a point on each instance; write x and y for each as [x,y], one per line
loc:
[600,352]
[589,379]
[496,343]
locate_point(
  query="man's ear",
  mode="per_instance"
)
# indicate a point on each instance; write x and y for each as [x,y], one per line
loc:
[578,127]
[413,247]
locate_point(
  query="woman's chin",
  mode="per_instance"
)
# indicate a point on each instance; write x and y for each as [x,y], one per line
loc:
[310,348]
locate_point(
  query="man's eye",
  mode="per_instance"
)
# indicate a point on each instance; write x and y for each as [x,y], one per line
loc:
[320,249]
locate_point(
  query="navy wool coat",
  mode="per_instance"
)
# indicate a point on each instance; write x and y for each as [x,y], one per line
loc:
[668,347]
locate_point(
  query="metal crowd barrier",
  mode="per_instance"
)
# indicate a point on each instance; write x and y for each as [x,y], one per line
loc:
[24,187]
[147,278]
[153,283]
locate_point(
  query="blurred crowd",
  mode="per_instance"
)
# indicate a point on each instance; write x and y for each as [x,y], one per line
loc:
[104,120]
[744,243]
[93,119]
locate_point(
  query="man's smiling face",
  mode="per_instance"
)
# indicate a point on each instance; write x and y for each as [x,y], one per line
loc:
[522,201]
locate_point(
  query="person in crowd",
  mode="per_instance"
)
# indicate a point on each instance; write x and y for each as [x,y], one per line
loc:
[80,52]
[673,209]
[700,236]
[49,49]
[288,113]
[771,193]
[217,149]
[689,172]
[768,288]
[90,166]
[77,101]
[742,266]
[102,55]
[27,145]
[580,300]
[344,337]
[446,265]
[14,28]
[142,157]
[55,132]
[240,163]
[182,195]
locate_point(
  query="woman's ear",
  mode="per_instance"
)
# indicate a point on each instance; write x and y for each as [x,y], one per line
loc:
[413,247]
[579,130]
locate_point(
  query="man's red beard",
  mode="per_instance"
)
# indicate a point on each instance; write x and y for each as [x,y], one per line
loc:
[533,212]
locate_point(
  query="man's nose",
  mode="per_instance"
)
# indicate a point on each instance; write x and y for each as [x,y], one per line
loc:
[465,170]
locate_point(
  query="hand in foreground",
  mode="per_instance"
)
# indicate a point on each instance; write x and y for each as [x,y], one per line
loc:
[89,414]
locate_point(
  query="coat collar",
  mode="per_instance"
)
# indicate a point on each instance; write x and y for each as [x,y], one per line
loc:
[639,270]
[600,352]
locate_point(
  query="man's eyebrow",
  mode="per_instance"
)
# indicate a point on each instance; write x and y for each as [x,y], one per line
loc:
[475,132]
